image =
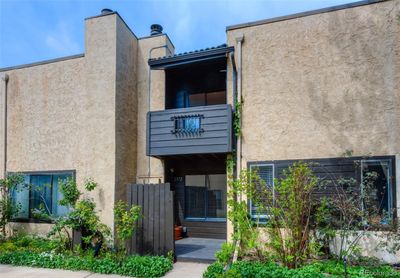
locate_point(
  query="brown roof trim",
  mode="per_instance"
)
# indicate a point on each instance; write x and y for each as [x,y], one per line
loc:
[43,62]
[303,14]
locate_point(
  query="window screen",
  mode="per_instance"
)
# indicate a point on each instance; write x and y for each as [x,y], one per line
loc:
[266,174]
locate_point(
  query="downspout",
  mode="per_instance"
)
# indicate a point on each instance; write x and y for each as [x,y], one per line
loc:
[237,98]
[5,78]
[149,96]
[234,83]
[239,41]
[234,94]
[234,78]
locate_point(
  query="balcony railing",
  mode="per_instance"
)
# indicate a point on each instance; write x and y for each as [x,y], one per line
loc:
[194,130]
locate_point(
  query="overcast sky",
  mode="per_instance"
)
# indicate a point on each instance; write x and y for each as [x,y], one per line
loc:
[35,30]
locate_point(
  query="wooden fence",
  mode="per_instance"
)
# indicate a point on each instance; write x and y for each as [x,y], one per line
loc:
[155,229]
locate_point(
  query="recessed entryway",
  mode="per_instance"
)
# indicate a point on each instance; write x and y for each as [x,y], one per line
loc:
[197,249]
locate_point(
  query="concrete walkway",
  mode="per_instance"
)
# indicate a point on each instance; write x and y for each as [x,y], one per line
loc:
[187,270]
[192,249]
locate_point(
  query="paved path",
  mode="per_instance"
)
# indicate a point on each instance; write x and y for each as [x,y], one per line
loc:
[194,249]
[187,270]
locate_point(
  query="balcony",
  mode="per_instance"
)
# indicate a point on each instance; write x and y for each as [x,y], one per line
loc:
[194,130]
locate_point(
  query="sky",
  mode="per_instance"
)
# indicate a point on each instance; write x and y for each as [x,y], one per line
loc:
[37,30]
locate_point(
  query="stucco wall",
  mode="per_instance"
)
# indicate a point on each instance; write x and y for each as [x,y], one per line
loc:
[319,85]
[126,109]
[88,114]
[316,86]
[61,115]
[157,103]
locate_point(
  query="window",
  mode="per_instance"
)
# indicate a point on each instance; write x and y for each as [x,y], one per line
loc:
[205,196]
[198,99]
[209,98]
[266,174]
[195,203]
[380,193]
[40,190]
[187,124]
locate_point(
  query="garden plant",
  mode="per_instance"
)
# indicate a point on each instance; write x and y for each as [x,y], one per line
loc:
[292,237]
[96,253]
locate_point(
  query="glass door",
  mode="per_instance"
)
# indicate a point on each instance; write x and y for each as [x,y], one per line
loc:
[205,197]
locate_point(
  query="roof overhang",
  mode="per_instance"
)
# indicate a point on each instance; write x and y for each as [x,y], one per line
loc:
[190,57]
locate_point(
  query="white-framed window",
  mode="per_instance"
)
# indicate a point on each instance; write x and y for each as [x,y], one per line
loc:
[266,174]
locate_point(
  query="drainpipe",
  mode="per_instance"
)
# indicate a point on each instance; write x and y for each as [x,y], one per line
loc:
[5,78]
[239,40]
[237,97]
[149,96]
[234,78]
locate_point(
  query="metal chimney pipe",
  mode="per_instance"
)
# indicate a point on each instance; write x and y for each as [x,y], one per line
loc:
[156,29]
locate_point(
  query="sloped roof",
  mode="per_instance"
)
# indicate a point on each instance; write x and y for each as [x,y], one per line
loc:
[190,57]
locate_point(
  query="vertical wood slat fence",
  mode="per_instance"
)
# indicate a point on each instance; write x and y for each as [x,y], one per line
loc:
[155,229]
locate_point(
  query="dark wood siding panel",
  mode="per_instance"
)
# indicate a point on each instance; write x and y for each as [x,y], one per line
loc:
[155,229]
[210,127]
[206,229]
[329,170]
[160,139]
[216,135]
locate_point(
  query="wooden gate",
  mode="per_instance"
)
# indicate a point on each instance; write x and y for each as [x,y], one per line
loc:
[155,229]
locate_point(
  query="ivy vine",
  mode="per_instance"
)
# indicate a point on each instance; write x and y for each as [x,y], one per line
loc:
[236,118]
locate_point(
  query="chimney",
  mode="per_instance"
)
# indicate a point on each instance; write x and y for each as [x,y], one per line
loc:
[156,29]
[106,11]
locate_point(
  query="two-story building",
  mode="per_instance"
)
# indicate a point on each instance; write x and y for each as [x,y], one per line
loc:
[312,86]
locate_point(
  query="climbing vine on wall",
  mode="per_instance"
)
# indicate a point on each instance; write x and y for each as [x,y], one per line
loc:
[236,118]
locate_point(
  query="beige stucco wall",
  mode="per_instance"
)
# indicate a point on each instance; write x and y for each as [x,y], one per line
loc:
[157,103]
[318,85]
[79,114]
[88,114]
[126,109]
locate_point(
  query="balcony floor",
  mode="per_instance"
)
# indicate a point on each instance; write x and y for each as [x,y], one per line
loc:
[197,249]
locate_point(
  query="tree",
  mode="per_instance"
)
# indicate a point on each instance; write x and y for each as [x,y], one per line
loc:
[8,208]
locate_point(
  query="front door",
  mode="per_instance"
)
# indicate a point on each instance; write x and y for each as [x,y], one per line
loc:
[205,197]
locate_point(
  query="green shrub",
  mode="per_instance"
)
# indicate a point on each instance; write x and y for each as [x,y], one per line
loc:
[224,255]
[125,221]
[8,208]
[145,266]
[214,270]
[318,269]
[29,243]
[135,266]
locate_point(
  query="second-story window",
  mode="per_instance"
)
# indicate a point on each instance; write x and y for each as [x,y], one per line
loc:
[187,124]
